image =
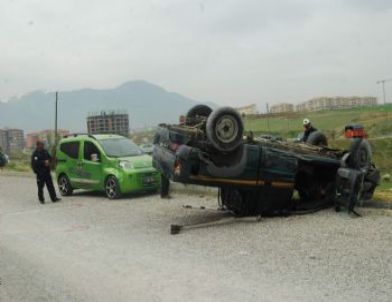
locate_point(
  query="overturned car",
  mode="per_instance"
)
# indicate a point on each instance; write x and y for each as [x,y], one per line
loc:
[258,175]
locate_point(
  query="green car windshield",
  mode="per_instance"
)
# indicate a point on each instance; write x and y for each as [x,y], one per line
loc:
[120,147]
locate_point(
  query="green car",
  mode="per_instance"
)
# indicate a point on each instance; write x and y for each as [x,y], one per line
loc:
[110,163]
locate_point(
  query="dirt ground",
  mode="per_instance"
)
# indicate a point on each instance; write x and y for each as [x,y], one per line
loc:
[88,248]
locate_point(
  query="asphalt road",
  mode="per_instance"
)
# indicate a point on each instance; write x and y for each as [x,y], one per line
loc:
[87,248]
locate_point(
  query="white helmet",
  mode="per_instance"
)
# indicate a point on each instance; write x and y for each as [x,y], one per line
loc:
[306,122]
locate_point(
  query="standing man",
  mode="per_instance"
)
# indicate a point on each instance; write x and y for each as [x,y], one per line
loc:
[308,129]
[165,187]
[40,163]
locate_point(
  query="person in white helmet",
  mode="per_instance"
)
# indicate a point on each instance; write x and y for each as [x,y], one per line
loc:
[308,129]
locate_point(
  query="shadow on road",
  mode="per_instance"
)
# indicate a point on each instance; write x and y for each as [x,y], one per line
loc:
[86,193]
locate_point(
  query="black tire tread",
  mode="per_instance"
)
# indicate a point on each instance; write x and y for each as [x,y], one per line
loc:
[70,192]
[359,145]
[317,138]
[197,111]
[118,192]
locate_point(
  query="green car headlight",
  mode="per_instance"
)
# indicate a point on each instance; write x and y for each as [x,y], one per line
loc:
[126,165]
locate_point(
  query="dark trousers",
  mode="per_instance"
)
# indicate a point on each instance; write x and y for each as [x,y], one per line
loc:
[42,180]
[165,186]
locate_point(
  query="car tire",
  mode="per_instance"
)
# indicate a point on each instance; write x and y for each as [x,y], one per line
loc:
[225,129]
[317,138]
[64,185]
[373,175]
[192,117]
[112,188]
[360,155]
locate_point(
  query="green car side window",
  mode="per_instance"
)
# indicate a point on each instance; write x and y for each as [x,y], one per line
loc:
[71,149]
[91,152]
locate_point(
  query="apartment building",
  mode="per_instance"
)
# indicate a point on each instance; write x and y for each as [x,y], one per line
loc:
[47,136]
[282,108]
[322,103]
[108,123]
[12,140]
[247,110]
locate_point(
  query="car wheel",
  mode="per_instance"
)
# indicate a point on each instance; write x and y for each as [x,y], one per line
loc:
[225,129]
[371,181]
[360,155]
[317,138]
[112,188]
[64,185]
[194,114]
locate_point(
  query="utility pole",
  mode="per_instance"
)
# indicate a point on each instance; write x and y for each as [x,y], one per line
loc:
[268,126]
[55,120]
[382,82]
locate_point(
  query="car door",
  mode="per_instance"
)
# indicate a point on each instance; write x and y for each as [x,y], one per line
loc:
[70,162]
[91,163]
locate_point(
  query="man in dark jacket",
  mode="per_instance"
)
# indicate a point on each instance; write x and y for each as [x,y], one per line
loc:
[40,163]
[308,128]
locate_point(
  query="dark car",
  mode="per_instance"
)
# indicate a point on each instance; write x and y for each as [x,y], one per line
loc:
[258,175]
[3,159]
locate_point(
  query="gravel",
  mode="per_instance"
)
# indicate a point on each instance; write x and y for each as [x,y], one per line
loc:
[87,248]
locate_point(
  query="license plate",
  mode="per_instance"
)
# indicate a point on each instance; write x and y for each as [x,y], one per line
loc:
[148,180]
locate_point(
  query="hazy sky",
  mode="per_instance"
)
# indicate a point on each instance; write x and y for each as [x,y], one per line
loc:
[228,51]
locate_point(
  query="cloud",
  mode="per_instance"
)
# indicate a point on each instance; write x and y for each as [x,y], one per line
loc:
[227,51]
[369,5]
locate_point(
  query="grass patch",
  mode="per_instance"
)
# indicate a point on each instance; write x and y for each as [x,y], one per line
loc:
[18,163]
[381,148]
[376,119]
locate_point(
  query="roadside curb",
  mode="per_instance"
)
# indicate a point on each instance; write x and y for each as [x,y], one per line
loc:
[378,204]
[16,174]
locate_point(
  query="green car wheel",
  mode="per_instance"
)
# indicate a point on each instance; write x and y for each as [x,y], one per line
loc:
[64,184]
[112,188]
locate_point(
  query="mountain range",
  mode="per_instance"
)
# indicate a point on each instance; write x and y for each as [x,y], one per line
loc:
[147,105]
